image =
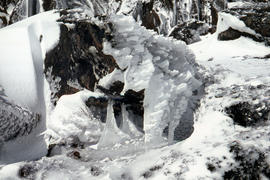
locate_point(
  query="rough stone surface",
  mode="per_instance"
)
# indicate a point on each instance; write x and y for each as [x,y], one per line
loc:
[78,57]
[190,32]
[250,163]
[245,114]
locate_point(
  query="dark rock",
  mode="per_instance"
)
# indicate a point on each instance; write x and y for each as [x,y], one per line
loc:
[148,15]
[134,104]
[229,34]
[245,114]
[151,171]
[78,57]
[211,167]
[27,171]
[214,15]
[74,155]
[5,16]
[96,171]
[118,113]
[132,100]
[190,32]
[250,163]
[98,107]
[114,90]
[48,5]
[116,87]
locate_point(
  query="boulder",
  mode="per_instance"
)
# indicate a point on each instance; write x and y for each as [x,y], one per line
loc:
[190,32]
[256,17]
[246,114]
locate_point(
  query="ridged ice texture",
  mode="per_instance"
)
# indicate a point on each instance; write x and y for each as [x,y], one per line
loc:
[163,67]
[15,121]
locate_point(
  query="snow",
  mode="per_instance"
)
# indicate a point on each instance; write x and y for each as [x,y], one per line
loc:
[9,172]
[21,77]
[225,21]
[72,118]
[166,69]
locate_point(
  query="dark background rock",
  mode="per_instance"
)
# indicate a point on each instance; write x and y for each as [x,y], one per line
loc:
[98,107]
[245,114]
[78,57]
[190,32]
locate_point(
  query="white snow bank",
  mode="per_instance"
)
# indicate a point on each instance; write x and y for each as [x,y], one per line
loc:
[210,48]
[22,54]
[23,46]
[71,117]
[9,172]
[45,25]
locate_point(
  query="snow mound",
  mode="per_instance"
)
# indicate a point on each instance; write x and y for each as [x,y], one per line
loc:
[72,118]
[23,46]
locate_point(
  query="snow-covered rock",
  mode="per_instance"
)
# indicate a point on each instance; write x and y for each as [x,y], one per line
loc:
[190,32]
[251,20]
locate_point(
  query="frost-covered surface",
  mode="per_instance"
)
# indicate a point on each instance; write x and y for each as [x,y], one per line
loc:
[159,61]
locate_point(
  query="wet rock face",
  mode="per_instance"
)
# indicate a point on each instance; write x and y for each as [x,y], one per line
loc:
[251,163]
[245,114]
[190,32]
[78,61]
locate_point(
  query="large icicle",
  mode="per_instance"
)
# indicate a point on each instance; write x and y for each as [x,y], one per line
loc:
[111,134]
